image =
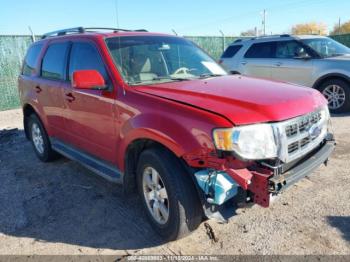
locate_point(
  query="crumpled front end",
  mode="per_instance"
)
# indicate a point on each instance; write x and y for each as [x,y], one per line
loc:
[304,143]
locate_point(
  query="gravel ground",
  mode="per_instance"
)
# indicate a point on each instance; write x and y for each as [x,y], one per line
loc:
[62,208]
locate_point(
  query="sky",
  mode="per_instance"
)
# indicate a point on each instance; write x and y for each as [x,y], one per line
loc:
[186,17]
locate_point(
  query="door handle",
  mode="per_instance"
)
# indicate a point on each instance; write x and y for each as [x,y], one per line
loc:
[243,63]
[70,97]
[278,64]
[38,89]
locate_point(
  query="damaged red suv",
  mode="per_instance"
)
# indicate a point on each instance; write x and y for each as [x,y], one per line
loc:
[158,115]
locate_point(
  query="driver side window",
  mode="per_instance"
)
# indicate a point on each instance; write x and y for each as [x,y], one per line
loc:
[85,56]
[290,49]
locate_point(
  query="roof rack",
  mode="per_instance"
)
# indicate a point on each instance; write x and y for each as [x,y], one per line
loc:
[270,36]
[80,30]
[260,37]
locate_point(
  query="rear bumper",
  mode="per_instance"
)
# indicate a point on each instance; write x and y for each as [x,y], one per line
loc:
[302,169]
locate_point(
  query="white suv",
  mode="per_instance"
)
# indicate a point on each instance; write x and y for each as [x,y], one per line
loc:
[314,61]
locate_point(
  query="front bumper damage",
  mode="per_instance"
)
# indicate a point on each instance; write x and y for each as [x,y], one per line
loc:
[256,182]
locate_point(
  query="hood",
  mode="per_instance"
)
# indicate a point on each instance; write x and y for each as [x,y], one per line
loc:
[338,58]
[242,100]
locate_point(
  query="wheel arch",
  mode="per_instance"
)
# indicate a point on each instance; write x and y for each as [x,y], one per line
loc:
[28,110]
[328,77]
[132,154]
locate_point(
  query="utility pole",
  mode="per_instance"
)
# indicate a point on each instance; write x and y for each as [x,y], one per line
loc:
[223,40]
[32,34]
[264,21]
[339,26]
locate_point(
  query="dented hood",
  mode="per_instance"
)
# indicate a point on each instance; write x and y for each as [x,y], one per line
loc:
[242,100]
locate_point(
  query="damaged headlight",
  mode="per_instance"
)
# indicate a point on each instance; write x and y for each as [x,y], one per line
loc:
[253,142]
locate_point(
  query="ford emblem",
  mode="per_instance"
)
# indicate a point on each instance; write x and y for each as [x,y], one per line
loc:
[314,131]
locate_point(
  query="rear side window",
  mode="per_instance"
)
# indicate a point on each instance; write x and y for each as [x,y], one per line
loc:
[261,50]
[54,61]
[84,56]
[31,59]
[231,51]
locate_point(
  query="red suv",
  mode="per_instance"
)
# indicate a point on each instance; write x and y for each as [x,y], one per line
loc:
[157,114]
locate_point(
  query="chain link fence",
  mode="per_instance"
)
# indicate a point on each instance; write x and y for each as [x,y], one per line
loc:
[13,49]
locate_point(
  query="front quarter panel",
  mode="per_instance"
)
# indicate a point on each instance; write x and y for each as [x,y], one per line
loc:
[327,68]
[181,128]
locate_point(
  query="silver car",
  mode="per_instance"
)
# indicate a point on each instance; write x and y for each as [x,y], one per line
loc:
[314,61]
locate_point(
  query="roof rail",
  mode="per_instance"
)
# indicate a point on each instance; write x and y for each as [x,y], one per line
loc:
[64,32]
[81,29]
[270,36]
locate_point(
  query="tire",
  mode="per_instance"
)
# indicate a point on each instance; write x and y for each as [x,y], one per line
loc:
[184,210]
[340,89]
[37,133]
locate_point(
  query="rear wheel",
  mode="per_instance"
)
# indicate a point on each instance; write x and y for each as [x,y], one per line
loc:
[40,140]
[337,92]
[168,194]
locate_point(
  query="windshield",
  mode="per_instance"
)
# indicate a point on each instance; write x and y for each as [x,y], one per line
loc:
[152,59]
[326,47]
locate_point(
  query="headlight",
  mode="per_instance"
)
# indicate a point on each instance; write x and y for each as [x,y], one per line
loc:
[253,142]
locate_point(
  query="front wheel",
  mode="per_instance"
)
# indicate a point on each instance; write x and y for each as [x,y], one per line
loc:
[337,92]
[168,194]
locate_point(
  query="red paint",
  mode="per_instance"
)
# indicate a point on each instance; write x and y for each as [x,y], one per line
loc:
[179,115]
[87,79]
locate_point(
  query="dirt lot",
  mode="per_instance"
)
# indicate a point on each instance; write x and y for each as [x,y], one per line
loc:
[62,208]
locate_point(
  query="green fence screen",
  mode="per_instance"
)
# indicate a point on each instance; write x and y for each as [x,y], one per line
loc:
[13,49]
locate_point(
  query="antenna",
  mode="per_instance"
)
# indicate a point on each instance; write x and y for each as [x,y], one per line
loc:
[120,52]
[32,34]
[174,31]
[117,13]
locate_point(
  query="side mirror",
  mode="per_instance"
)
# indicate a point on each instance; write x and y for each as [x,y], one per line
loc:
[88,79]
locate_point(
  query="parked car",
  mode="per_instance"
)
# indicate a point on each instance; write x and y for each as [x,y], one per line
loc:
[157,114]
[310,60]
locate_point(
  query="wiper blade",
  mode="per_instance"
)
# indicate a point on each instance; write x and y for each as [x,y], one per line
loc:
[171,78]
[209,75]
[159,78]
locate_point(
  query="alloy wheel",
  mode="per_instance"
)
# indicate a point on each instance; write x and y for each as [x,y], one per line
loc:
[37,138]
[335,95]
[156,195]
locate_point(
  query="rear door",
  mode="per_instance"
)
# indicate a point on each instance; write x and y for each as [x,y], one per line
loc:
[90,119]
[229,59]
[286,65]
[49,86]
[257,61]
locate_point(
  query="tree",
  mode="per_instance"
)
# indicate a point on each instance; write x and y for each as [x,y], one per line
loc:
[343,29]
[309,28]
[250,32]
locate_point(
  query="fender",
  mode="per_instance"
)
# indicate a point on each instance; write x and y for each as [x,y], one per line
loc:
[177,137]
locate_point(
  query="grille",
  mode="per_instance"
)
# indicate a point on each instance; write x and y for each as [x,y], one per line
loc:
[303,124]
[298,136]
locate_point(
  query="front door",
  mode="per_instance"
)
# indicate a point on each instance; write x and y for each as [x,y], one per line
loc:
[288,67]
[90,119]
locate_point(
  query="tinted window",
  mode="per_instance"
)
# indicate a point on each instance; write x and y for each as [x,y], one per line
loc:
[231,51]
[261,50]
[31,59]
[289,49]
[84,56]
[54,61]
